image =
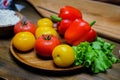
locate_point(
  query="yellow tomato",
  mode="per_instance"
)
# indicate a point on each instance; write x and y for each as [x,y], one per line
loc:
[63,55]
[23,41]
[44,22]
[45,30]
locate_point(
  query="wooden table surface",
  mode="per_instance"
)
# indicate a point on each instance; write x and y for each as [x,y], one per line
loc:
[12,69]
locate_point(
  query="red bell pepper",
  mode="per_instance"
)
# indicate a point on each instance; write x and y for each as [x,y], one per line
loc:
[79,31]
[68,15]
[69,12]
[63,26]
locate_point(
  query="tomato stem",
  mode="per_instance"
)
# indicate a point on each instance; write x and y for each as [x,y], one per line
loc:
[24,23]
[47,37]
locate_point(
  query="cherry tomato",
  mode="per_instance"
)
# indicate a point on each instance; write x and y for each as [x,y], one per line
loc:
[44,22]
[25,26]
[63,55]
[23,41]
[45,44]
[45,30]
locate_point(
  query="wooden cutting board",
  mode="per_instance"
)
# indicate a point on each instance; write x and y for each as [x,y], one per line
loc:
[107,16]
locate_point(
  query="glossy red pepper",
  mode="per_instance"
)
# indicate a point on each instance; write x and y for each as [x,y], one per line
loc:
[69,12]
[68,15]
[63,26]
[79,31]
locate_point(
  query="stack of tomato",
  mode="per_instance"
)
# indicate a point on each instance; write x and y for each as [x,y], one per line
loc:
[44,39]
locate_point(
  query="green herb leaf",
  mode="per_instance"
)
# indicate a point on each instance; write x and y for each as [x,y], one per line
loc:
[97,55]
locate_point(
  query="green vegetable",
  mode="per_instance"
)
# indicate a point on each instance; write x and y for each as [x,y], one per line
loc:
[55,18]
[96,55]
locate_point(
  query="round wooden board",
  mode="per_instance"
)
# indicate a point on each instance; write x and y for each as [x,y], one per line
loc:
[31,59]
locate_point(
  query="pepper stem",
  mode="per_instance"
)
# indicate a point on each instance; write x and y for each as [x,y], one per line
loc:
[55,18]
[92,23]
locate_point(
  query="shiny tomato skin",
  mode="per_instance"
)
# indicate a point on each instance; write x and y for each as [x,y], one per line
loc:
[25,26]
[44,22]
[45,47]
[24,41]
[45,30]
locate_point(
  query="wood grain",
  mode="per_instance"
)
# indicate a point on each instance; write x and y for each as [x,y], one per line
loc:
[107,16]
[31,59]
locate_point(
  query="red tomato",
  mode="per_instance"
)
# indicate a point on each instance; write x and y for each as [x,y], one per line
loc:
[25,26]
[45,44]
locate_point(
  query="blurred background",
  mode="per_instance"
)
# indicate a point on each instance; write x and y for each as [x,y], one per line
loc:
[116,2]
